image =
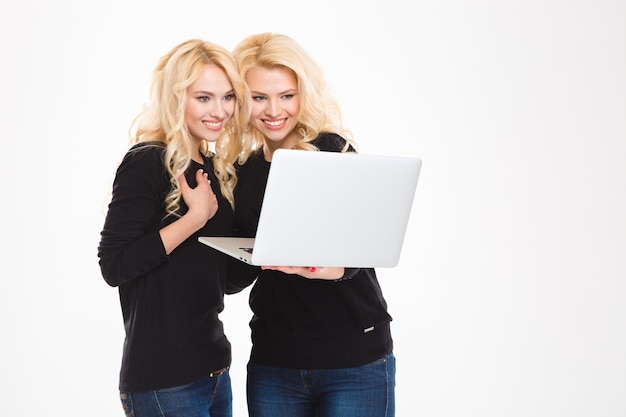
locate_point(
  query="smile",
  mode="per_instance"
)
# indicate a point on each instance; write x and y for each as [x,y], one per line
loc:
[274,123]
[212,125]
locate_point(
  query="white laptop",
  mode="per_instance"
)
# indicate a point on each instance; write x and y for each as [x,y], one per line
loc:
[330,209]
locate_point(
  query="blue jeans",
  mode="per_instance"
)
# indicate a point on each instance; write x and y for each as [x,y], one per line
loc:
[364,391]
[206,397]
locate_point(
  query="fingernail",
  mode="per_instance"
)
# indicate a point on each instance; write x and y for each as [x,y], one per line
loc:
[312,269]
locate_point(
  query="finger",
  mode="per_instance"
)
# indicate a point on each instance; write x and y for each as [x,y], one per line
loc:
[200,175]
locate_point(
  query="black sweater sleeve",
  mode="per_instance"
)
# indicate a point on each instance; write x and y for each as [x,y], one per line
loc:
[130,243]
[240,275]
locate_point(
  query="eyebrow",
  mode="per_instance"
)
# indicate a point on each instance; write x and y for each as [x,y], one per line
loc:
[291,90]
[210,93]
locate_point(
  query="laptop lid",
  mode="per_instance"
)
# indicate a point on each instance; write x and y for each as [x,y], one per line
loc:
[330,209]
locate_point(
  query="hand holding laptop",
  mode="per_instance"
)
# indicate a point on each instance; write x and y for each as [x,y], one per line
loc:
[312,272]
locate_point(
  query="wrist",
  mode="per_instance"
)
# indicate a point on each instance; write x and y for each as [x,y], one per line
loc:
[193,221]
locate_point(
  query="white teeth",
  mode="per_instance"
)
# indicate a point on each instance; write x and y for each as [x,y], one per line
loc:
[212,124]
[277,123]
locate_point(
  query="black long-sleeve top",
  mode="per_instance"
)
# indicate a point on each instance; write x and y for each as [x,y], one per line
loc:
[303,323]
[170,303]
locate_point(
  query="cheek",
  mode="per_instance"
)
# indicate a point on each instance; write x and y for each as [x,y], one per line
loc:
[255,111]
[294,108]
[229,108]
[189,119]
[191,112]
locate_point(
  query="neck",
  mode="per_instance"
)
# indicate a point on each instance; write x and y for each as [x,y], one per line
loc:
[269,146]
[197,156]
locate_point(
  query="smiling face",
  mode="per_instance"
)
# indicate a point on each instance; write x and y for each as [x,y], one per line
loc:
[275,105]
[210,103]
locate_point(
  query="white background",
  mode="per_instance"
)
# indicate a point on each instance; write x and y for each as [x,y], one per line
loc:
[509,299]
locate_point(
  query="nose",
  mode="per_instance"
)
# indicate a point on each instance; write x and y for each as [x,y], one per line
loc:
[218,110]
[272,109]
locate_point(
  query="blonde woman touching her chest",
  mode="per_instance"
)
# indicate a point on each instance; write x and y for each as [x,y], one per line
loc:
[169,189]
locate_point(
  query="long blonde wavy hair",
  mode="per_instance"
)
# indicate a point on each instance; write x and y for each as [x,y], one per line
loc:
[319,111]
[163,118]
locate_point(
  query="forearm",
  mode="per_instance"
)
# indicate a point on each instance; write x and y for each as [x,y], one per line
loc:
[123,257]
[240,275]
[180,230]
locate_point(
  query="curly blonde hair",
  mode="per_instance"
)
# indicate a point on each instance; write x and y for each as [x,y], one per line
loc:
[319,111]
[163,118]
